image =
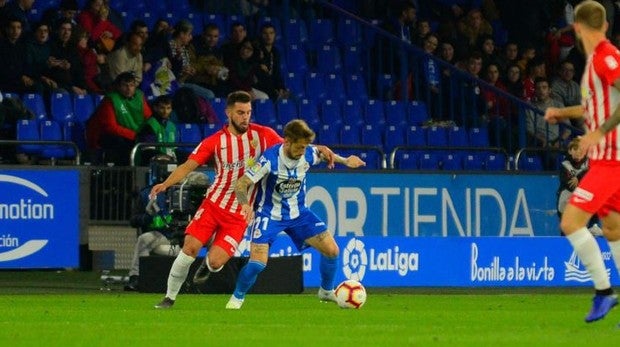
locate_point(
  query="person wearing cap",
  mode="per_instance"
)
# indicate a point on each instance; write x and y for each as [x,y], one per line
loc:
[111,131]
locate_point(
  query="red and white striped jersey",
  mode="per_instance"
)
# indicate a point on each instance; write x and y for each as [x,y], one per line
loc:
[600,98]
[232,155]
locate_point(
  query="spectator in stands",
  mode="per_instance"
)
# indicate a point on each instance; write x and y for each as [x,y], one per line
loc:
[127,58]
[469,95]
[230,49]
[487,50]
[431,75]
[527,53]
[423,28]
[210,61]
[564,88]
[91,61]
[114,16]
[535,69]
[68,9]
[19,9]
[183,59]
[94,19]
[243,71]
[542,133]
[15,74]
[113,127]
[38,50]
[513,82]
[471,29]
[208,42]
[269,76]
[403,24]
[158,128]
[497,106]
[508,58]
[64,66]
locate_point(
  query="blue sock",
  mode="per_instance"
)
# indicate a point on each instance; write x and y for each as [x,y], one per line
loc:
[246,278]
[328,272]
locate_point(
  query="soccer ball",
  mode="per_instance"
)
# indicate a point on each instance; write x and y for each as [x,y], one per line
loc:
[350,294]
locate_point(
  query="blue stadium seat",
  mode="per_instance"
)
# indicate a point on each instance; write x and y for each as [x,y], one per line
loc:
[7,95]
[374,112]
[437,137]
[478,137]
[331,111]
[334,86]
[452,162]
[61,105]
[197,20]
[148,17]
[384,86]
[418,113]
[34,102]
[406,160]
[50,131]
[315,86]
[429,161]
[350,134]
[457,137]
[265,112]
[473,161]
[530,162]
[295,82]
[396,112]
[372,135]
[74,132]
[219,106]
[393,135]
[296,60]
[28,130]
[356,87]
[321,32]
[352,60]
[352,112]
[328,59]
[209,129]
[329,134]
[495,162]
[295,31]
[309,111]
[416,136]
[286,110]
[348,32]
[373,160]
[127,18]
[189,133]
[83,107]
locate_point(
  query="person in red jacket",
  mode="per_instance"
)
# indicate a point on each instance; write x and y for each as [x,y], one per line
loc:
[113,127]
[94,19]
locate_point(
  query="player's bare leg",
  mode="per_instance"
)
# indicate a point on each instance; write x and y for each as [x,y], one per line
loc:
[214,262]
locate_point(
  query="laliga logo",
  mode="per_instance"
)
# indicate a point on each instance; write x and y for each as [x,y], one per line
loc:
[31,246]
[354,260]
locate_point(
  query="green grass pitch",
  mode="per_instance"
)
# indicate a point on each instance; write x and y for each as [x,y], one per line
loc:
[68,309]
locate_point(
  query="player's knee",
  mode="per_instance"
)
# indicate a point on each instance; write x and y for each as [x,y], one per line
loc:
[332,251]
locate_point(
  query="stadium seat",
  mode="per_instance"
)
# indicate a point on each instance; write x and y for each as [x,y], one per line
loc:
[457,137]
[495,162]
[209,129]
[197,20]
[385,83]
[296,60]
[61,106]
[396,112]
[34,102]
[334,86]
[372,135]
[189,133]
[295,31]
[472,161]
[393,136]
[530,163]
[50,131]
[374,112]
[348,32]
[356,87]
[295,83]
[350,134]
[265,112]
[148,17]
[219,106]
[83,107]
[429,161]
[437,137]
[74,132]
[352,60]
[331,111]
[321,32]
[405,160]
[478,137]
[328,59]
[352,112]
[452,162]
[373,160]
[416,136]
[309,111]
[28,130]
[11,96]
[418,113]
[315,86]
[329,134]
[286,110]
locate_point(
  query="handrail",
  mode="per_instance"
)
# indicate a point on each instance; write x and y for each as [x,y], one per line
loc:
[534,149]
[41,142]
[137,146]
[444,149]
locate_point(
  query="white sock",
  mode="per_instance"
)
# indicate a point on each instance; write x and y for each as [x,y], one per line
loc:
[178,273]
[590,255]
[614,247]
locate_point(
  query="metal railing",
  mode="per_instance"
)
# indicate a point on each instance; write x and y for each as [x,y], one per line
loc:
[53,144]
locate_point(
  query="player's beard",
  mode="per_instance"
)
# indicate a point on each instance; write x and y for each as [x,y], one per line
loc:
[239,128]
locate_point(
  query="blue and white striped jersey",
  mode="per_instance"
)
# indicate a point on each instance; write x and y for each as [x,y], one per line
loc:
[282,192]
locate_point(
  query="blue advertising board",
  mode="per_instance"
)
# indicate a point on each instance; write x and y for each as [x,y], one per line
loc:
[452,261]
[39,219]
[398,204]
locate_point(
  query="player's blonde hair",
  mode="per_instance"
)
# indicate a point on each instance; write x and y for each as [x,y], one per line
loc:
[298,129]
[591,14]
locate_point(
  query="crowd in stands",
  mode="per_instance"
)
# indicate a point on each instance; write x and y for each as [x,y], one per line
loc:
[101,47]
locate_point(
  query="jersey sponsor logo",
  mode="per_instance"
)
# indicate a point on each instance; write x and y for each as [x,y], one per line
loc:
[254,143]
[582,195]
[611,62]
[288,188]
[253,165]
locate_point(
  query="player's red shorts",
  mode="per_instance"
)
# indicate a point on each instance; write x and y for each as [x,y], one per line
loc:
[211,220]
[599,191]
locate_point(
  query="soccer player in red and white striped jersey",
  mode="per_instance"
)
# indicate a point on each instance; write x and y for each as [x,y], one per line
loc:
[599,191]
[220,218]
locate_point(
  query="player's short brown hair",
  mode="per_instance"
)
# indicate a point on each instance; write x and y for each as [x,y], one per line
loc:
[298,129]
[238,96]
[591,14]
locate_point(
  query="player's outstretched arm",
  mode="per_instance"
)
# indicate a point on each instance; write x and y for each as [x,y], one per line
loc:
[327,155]
[554,114]
[176,176]
[352,161]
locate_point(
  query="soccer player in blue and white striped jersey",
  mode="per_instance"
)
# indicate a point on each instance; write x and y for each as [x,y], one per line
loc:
[281,206]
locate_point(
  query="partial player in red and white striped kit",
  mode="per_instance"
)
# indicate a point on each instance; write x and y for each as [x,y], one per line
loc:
[219,218]
[599,191]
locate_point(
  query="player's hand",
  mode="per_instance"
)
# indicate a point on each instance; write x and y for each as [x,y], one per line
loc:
[328,155]
[247,212]
[158,188]
[353,162]
[572,183]
[590,139]
[552,115]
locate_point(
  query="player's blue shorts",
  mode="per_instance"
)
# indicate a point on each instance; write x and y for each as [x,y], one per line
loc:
[265,230]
